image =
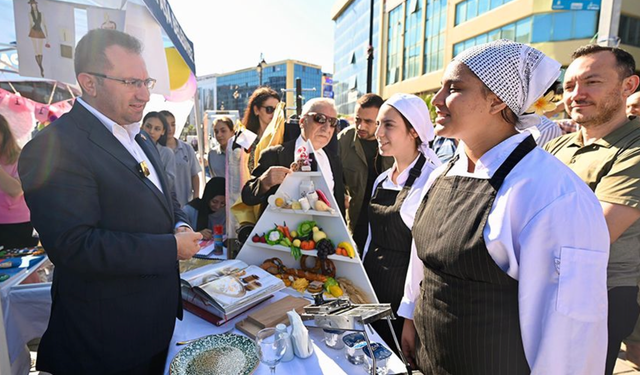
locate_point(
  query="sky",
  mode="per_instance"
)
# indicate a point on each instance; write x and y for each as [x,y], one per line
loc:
[230,35]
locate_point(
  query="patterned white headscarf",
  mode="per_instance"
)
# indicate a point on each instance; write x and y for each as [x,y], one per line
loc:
[415,110]
[516,73]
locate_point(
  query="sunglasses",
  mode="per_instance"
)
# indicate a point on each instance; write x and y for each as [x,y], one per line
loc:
[323,119]
[269,109]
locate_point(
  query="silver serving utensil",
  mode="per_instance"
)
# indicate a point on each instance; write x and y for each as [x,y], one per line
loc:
[179,343]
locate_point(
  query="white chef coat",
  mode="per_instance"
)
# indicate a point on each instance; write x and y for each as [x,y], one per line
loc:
[545,229]
[412,201]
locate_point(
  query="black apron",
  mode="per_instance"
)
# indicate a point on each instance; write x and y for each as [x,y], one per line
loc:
[466,317]
[388,254]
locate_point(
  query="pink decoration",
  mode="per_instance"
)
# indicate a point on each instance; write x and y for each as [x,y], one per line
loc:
[19,113]
[186,92]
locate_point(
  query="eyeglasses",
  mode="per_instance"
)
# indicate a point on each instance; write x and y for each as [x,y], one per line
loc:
[149,83]
[269,109]
[322,119]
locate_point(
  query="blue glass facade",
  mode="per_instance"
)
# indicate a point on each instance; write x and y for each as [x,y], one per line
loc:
[545,27]
[234,89]
[470,9]
[394,45]
[412,39]
[350,53]
[434,41]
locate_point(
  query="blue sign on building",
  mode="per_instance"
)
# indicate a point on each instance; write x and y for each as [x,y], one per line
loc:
[575,4]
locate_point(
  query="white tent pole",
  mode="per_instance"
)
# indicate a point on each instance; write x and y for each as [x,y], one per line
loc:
[201,142]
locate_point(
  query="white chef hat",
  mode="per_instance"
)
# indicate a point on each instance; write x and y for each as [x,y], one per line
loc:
[518,74]
[415,110]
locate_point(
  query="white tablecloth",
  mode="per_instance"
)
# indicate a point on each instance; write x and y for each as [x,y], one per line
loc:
[324,360]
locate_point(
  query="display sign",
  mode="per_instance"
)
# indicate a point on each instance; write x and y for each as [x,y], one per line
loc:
[575,4]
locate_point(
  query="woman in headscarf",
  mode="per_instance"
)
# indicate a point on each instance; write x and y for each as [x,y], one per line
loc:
[205,212]
[404,130]
[508,267]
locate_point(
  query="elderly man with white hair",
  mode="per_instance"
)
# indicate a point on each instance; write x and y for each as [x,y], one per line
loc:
[318,122]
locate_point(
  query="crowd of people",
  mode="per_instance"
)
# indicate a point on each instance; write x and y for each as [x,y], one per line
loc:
[504,246]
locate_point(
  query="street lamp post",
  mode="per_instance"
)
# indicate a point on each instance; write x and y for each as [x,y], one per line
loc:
[236,95]
[259,68]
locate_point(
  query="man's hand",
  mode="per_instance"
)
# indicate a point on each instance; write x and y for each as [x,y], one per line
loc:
[272,177]
[182,229]
[207,234]
[187,243]
[347,199]
[408,342]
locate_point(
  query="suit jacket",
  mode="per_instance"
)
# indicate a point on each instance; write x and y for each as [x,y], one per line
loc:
[109,232]
[356,172]
[282,155]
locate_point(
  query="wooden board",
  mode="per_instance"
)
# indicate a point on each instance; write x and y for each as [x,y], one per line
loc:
[271,315]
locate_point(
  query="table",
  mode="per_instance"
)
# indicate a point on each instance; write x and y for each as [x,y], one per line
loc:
[323,361]
[25,309]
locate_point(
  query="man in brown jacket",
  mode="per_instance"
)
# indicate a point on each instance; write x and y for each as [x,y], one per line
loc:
[361,164]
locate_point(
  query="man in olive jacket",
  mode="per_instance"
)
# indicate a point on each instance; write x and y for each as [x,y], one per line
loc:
[361,164]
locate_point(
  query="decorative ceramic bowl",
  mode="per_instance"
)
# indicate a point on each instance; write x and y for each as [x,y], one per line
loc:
[224,354]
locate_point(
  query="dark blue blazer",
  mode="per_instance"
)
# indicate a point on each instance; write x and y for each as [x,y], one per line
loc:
[109,232]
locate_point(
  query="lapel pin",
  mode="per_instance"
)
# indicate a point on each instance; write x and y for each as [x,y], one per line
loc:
[143,169]
[143,137]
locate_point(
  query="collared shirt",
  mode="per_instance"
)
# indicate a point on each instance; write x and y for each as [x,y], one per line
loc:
[321,158]
[126,135]
[611,168]
[217,162]
[186,167]
[413,199]
[545,229]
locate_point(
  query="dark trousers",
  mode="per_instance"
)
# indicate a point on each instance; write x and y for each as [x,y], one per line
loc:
[153,366]
[17,236]
[623,313]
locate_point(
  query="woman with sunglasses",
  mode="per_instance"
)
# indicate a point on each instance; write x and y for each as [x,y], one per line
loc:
[318,123]
[259,112]
[509,268]
[404,131]
[156,125]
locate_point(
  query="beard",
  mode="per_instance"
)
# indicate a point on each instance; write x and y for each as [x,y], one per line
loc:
[603,111]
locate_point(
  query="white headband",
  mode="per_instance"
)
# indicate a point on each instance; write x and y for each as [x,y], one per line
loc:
[516,73]
[415,110]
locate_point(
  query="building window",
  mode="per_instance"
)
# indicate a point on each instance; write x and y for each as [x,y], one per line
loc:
[394,45]
[412,41]
[435,24]
[540,28]
[353,58]
[629,30]
[470,9]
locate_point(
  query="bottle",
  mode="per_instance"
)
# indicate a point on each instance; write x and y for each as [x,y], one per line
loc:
[288,354]
[218,245]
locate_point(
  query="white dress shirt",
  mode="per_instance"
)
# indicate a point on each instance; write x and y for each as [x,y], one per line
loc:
[412,201]
[321,158]
[545,229]
[126,135]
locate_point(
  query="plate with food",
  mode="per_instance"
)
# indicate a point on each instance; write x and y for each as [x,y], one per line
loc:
[223,354]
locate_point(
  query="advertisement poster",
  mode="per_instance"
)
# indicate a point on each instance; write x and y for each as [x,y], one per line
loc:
[102,18]
[45,33]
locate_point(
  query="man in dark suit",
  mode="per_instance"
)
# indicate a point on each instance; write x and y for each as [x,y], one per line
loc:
[318,122]
[108,221]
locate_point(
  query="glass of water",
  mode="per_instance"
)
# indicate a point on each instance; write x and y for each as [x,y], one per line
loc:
[271,347]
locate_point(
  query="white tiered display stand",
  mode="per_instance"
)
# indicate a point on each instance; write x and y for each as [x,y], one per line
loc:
[332,224]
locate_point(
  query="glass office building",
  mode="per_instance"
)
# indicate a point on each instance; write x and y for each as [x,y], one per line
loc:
[418,37]
[235,88]
[351,41]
